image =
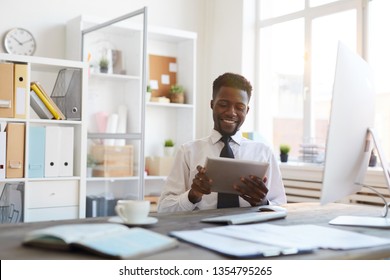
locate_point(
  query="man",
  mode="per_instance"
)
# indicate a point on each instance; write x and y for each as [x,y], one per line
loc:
[188,187]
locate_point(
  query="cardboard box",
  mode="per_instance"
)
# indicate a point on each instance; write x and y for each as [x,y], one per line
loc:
[113,161]
[159,166]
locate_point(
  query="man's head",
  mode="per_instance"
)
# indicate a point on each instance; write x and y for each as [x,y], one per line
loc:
[231,96]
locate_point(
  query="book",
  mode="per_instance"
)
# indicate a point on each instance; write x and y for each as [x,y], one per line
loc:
[114,241]
[39,107]
[46,99]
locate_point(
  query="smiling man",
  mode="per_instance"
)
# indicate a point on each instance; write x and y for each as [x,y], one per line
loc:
[188,187]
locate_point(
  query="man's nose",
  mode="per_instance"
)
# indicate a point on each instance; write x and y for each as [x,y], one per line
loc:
[232,110]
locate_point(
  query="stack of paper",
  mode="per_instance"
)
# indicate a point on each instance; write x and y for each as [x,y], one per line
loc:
[273,240]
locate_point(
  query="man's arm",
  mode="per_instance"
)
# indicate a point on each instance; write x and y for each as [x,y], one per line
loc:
[174,196]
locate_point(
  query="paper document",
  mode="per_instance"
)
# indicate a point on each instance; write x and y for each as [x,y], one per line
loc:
[273,240]
[301,236]
[233,247]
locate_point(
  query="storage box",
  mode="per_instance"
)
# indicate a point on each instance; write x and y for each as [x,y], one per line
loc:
[67,93]
[112,161]
[159,166]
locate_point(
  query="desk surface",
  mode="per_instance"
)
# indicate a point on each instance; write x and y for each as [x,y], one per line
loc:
[11,235]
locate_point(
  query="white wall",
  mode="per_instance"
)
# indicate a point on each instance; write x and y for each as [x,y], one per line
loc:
[230,45]
[47,18]
[219,24]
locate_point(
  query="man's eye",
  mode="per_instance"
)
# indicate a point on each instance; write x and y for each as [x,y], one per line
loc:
[241,108]
[223,104]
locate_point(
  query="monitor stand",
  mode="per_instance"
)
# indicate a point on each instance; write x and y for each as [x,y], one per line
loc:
[378,222]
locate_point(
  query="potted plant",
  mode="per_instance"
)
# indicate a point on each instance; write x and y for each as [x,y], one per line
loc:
[103,64]
[373,159]
[91,163]
[284,150]
[176,94]
[148,95]
[169,147]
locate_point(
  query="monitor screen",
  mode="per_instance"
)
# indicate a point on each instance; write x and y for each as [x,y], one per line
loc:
[352,113]
[351,137]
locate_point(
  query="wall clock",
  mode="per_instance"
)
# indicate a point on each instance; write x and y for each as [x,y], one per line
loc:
[19,41]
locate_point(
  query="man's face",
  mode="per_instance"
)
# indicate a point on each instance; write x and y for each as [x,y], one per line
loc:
[230,107]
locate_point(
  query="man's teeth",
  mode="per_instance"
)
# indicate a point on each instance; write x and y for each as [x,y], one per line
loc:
[229,121]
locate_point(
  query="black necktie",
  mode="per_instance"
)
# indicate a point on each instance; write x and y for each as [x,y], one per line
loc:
[227,200]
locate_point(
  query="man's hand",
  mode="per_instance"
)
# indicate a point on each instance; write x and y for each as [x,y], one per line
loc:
[254,191]
[200,185]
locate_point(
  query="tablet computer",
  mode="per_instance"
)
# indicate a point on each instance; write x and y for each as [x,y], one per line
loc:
[226,172]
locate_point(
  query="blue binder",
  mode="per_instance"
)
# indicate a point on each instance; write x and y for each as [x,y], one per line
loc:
[36,159]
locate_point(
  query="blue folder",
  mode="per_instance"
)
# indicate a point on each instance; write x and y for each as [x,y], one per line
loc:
[36,159]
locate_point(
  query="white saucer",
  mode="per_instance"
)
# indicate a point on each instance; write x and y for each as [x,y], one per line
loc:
[147,221]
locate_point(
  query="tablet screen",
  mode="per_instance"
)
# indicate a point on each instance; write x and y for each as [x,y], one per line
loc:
[226,172]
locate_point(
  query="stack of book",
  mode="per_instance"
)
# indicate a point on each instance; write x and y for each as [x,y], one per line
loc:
[43,104]
[312,153]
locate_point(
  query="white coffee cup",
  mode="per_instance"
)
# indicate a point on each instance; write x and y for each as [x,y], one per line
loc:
[133,211]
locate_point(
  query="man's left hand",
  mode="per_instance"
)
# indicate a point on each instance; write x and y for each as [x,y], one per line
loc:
[254,191]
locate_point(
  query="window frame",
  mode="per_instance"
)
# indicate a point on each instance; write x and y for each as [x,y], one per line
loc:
[263,121]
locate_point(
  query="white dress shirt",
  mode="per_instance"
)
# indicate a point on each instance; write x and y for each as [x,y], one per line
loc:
[174,196]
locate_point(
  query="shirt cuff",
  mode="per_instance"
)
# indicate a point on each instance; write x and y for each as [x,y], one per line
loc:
[185,203]
[265,201]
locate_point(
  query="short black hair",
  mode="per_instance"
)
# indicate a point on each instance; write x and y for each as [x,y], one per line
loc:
[232,80]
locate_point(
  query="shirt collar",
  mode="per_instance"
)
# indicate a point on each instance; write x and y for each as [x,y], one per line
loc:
[216,136]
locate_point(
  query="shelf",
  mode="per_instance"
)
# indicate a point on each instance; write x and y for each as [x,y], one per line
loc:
[148,123]
[70,182]
[112,179]
[169,105]
[42,63]
[129,136]
[55,179]
[114,77]
[157,178]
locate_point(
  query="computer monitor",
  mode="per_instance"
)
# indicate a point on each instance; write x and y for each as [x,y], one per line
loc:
[349,141]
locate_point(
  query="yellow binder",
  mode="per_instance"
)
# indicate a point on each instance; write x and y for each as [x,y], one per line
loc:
[37,88]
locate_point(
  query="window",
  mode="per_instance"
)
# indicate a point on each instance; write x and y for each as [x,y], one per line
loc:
[297,54]
[378,56]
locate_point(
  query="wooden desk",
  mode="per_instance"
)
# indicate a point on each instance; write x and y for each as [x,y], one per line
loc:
[12,235]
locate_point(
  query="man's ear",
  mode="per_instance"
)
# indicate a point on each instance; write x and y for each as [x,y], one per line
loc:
[211,103]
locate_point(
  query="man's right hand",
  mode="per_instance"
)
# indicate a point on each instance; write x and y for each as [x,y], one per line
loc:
[201,185]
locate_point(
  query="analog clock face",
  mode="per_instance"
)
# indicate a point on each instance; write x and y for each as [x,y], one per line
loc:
[19,41]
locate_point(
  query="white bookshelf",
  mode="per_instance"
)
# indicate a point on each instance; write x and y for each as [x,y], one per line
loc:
[161,121]
[52,198]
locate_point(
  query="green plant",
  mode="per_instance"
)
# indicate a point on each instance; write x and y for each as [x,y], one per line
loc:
[103,63]
[90,161]
[148,88]
[169,143]
[284,149]
[176,89]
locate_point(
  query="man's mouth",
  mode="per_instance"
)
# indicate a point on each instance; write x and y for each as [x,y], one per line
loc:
[228,121]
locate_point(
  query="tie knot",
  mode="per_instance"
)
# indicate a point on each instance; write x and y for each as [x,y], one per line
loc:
[225,139]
